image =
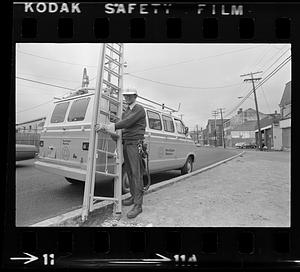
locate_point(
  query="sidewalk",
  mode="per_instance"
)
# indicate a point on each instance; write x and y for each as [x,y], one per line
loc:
[249,191]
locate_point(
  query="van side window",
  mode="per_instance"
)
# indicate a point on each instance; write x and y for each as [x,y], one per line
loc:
[179,126]
[59,112]
[168,123]
[154,120]
[78,109]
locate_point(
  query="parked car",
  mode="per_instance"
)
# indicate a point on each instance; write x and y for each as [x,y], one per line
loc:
[25,152]
[240,145]
[249,145]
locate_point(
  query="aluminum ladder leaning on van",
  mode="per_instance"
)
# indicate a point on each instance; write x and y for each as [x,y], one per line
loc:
[109,87]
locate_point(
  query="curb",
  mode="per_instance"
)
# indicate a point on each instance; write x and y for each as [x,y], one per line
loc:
[76,214]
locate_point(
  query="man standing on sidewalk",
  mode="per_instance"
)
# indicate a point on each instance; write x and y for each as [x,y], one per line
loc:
[133,124]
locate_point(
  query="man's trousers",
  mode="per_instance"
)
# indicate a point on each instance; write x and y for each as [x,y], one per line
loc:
[134,168]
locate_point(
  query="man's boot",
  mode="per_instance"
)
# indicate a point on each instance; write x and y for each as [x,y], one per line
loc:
[128,201]
[137,209]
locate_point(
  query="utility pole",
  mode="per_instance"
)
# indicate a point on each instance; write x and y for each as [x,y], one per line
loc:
[252,79]
[223,134]
[215,113]
[197,134]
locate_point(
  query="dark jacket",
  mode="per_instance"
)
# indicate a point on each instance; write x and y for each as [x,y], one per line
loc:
[133,123]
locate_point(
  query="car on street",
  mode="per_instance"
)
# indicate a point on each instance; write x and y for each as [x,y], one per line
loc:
[249,145]
[25,152]
[240,145]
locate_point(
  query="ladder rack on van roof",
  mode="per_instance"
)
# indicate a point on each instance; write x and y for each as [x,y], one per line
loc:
[155,103]
[85,91]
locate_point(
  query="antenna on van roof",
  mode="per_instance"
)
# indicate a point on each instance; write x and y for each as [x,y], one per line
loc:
[178,107]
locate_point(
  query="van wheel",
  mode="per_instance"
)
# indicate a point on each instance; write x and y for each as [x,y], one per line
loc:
[74,181]
[125,182]
[188,167]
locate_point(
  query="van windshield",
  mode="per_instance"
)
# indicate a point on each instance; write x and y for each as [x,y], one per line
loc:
[59,112]
[78,109]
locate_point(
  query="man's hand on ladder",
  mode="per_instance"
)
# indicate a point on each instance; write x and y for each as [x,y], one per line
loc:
[109,128]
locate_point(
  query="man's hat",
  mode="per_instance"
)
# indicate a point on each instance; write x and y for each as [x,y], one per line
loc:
[129,91]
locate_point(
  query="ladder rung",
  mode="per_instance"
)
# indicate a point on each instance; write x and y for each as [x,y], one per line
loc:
[112,72]
[107,174]
[111,99]
[112,60]
[113,49]
[109,153]
[109,114]
[105,198]
[110,84]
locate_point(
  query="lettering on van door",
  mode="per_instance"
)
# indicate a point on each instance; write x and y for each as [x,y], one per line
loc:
[66,142]
[169,151]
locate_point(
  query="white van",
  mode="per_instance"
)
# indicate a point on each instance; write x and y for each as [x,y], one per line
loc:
[64,141]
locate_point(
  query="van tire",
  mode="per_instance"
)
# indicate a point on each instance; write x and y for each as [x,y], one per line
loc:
[74,181]
[188,166]
[125,182]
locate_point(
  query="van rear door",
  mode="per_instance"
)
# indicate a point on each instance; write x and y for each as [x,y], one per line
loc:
[76,131]
[51,138]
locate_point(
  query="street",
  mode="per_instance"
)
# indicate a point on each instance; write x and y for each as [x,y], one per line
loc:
[252,190]
[42,195]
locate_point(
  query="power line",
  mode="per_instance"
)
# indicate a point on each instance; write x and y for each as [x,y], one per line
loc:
[265,70]
[36,106]
[262,82]
[37,88]
[181,86]
[43,83]
[55,60]
[276,60]
[270,75]
[265,98]
[193,60]
[60,79]
[260,58]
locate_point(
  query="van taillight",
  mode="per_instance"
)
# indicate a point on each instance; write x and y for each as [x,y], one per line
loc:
[85,146]
[41,143]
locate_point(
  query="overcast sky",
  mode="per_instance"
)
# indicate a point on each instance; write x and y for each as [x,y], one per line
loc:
[206,76]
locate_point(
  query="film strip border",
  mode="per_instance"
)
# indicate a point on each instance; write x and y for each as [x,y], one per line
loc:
[188,247]
[174,23]
[266,22]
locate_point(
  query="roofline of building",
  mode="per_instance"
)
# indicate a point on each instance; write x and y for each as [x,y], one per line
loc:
[42,118]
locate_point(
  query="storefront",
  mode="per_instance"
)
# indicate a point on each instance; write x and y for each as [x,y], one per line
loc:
[285,125]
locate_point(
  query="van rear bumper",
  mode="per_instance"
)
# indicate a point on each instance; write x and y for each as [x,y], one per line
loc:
[61,170]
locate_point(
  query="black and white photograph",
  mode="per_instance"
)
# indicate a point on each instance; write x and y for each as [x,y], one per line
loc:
[153,134]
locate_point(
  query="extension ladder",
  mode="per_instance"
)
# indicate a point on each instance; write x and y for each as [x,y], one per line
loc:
[108,105]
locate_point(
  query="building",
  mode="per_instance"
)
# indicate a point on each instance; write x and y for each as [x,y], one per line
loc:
[241,131]
[285,111]
[28,133]
[198,136]
[33,126]
[270,132]
[214,132]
